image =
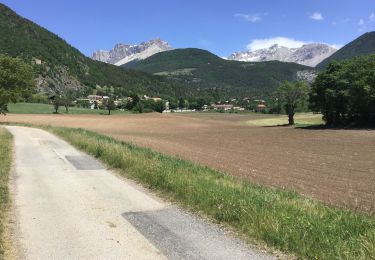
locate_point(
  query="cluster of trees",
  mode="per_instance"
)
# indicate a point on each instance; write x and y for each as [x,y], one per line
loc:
[63,96]
[16,81]
[189,103]
[345,92]
[143,106]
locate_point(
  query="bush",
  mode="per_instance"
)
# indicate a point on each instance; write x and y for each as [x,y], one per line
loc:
[83,103]
[152,106]
[138,108]
[16,81]
[40,98]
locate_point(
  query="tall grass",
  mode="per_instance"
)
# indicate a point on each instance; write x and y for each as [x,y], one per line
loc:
[281,219]
[5,163]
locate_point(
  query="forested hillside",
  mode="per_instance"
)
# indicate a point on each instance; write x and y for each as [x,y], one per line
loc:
[364,45]
[204,69]
[178,73]
[62,64]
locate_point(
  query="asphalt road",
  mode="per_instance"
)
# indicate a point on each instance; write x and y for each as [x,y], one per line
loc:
[69,206]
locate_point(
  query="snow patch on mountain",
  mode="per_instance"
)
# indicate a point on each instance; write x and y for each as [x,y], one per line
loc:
[124,53]
[308,54]
[153,49]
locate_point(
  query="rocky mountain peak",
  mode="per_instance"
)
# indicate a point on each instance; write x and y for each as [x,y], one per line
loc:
[124,53]
[309,54]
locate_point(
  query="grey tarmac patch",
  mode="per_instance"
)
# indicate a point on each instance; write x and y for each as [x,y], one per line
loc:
[180,235]
[82,162]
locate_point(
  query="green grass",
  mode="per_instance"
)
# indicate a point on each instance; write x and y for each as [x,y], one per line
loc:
[281,219]
[301,119]
[35,108]
[5,163]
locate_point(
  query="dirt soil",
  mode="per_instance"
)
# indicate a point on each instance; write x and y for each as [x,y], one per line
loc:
[334,166]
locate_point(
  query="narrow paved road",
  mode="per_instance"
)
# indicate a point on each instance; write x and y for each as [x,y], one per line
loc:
[68,206]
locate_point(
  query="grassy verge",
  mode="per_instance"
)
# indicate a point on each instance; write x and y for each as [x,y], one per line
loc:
[33,108]
[281,219]
[301,119]
[5,163]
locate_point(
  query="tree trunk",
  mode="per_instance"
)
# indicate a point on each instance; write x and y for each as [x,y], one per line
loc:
[291,118]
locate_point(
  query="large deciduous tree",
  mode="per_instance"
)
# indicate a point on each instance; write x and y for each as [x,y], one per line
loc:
[345,92]
[292,95]
[16,81]
[109,104]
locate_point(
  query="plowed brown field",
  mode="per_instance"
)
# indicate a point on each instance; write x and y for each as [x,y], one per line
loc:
[335,166]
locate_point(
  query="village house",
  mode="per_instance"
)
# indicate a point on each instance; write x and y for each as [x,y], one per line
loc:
[37,61]
[156,99]
[261,106]
[225,107]
[94,98]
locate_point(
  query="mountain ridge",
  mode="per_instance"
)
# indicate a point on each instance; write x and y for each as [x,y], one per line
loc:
[308,54]
[123,53]
[363,45]
[207,70]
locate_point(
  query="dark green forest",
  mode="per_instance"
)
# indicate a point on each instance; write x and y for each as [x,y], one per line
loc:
[201,68]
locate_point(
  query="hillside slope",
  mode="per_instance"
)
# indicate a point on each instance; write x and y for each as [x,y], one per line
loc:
[204,69]
[363,45]
[63,65]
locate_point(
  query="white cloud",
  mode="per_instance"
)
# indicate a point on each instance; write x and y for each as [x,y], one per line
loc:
[258,44]
[372,17]
[361,22]
[251,17]
[268,42]
[317,16]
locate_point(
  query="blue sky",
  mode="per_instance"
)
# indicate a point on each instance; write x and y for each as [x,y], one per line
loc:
[220,26]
